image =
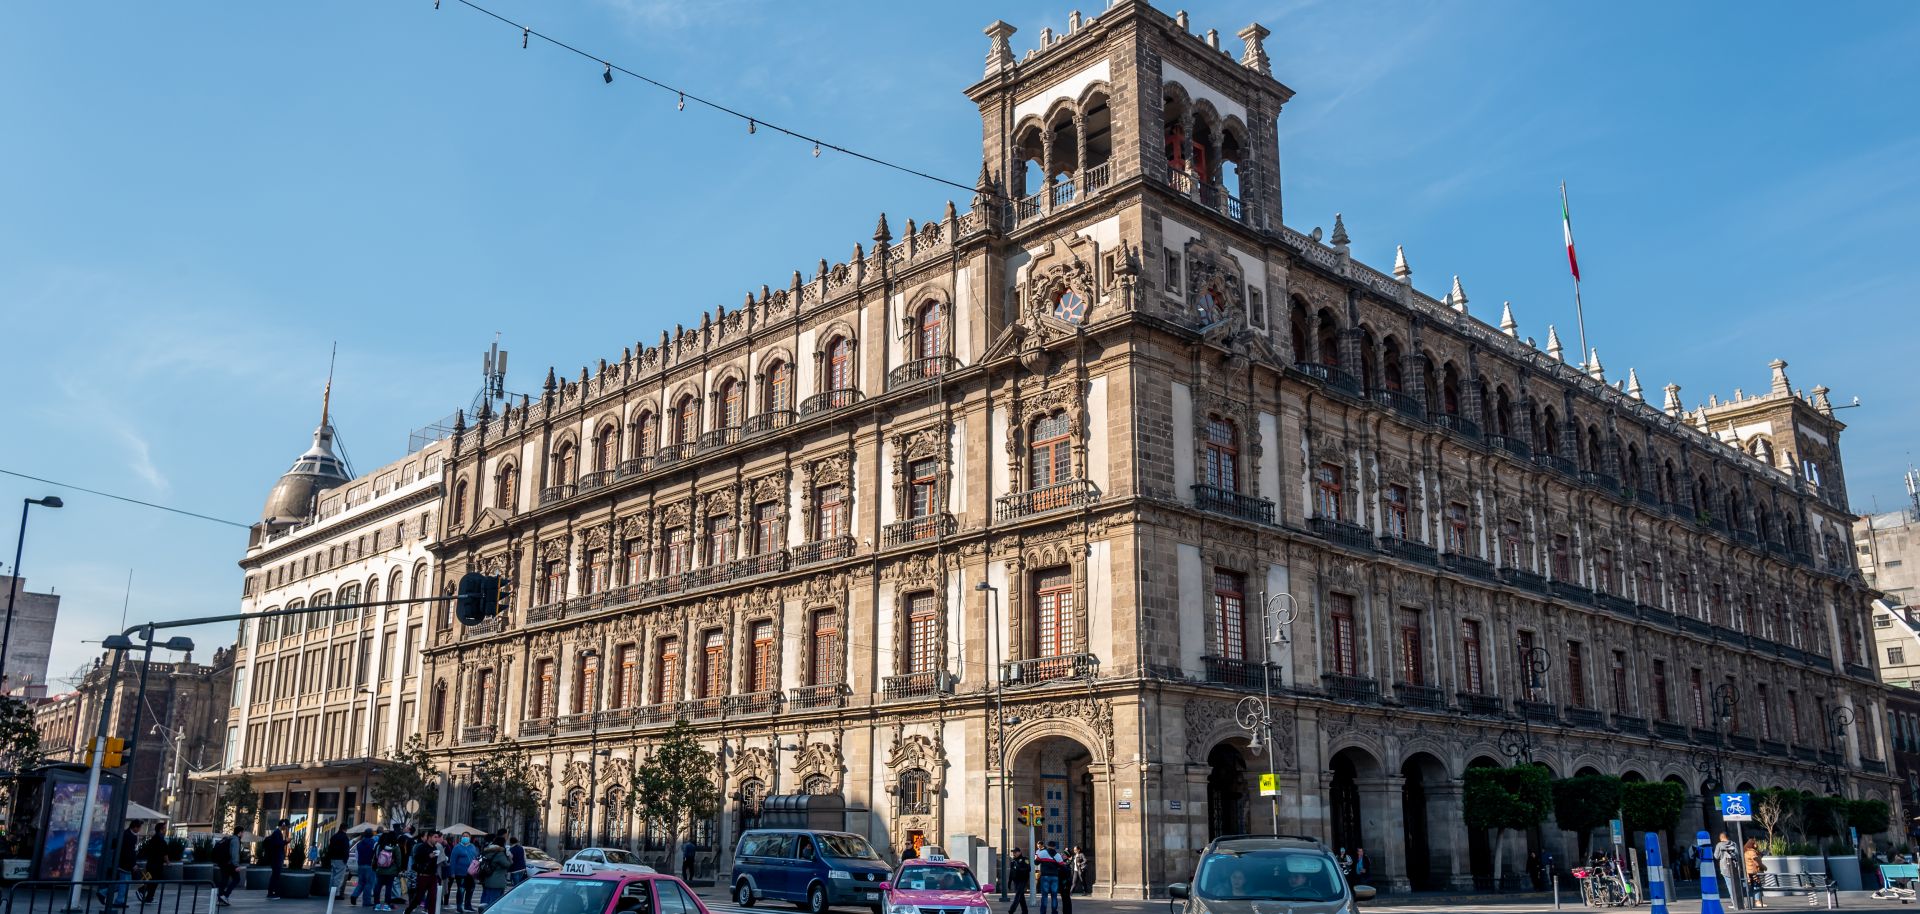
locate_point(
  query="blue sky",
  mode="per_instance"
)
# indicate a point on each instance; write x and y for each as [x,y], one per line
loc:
[199,197]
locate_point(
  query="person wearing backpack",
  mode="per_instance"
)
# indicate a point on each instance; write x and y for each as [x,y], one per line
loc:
[365,851]
[496,866]
[387,859]
[517,873]
[226,856]
[337,853]
[465,861]
[426,862]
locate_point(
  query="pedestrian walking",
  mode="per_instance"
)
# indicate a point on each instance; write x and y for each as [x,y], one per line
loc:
[1731,868]
[226,861]
[1078,864]
[273,853]
[1048,867]
[365,851]
[1755,867]
[1360,865]
[518,873]
[389,858]
[1019,875]
[426,863]
[338,850]
[686,859]
[153,857]
[496,867]
[463,860]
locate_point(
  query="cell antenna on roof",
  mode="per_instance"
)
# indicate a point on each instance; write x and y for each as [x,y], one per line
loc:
[493,376]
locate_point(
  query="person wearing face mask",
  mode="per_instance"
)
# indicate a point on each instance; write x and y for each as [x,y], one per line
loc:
[461,863]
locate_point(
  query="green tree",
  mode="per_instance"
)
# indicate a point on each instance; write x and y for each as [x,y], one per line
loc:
[236,806]
[410,778]
[503,786]
[1582,804]
[1501,800]
[1820,817]
[19,739]
[1651,805]
[1869,817]
[675,786]
[1775,809]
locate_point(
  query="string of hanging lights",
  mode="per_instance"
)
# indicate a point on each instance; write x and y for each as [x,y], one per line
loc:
[754,123]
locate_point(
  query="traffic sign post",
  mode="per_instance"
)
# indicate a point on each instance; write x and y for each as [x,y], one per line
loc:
[1269,785]
[1736,808]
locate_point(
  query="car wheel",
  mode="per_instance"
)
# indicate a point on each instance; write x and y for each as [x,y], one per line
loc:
[743,894]
[817,899]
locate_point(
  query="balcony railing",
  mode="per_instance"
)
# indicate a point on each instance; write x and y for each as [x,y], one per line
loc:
[1471,566]
[825,695]
[1741,742]
[771,420]
[1097,176]
[599,480]
[1233,504]
[1600,481]
[1400,403]
[1234,673]
[1627,723]
[827,550]
[659,712]
[1047,669]
[754,566]
[1358,689]
[702,708]
[1666,729]
[1570,591]
[1705,736]
[1525,579]
[1026,208]
[1330,376]
[536,726]
[1408,549]
[1419,696]
[920,371]
[1859,670]
[1544,712]
[765,702]
[634,466]
[1829,757]
[1647,497]
[1805,754]
[478,733]
[1511,445]
[1556,463]
[1617,605]
[1341,532]
[670,454]
[916,685]
[829,401]
[1477,703]
[1773,747]
[1074,493]
[1585,717]
[917,529]
[551,494]
[1873,766]
[575,723]
[1061,194]
[719,438]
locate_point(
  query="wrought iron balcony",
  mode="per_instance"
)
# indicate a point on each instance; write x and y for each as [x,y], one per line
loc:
[1471,566]
[1873,766]
[599,480]
[829,401]
[1805,754]
[1357,689]
[1047,669]
[1678,510]
[478,733]
[1601,481]
[1544,712]
[546,611]
[771,420]
[1694,626]
[1419,696]
[1525,579]
[1647,497]
[1401,403]
[1741,742]
[634,467]
[1829,757]
[1477,703]
[1617,605]
[1330,376]
[1666,729]
[1556,463]
[920,528]
[1628,723]
[702,708]
[1511,445]
[653,715]
[1706,737]
[536,726]
[551,494]
[1746,537]
[766,702]
[1234,673]
[1341,532]
[754,566]
[670,454]
[1859,670]
[1570,591]
[1656,616]
[1459,425]
[1074,493]
[615,717]
[920,371]
[575,723]
[824,695]
[1773,747]
[1408,549]
[916,685]
[719,438]
[1232,504]
[1589,718]
[826,550]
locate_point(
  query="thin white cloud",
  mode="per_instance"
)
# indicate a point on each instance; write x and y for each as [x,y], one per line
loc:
[142,457]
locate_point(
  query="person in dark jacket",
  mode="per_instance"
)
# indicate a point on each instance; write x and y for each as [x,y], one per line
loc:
[125,863]
[336,859]
[391,846]
[273,852]
[226,857]
[426,863]
[1019,875]
[518,873]
[153,857]
[364,851]
[497,865]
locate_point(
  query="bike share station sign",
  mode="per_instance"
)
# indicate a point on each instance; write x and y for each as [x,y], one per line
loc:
[1736,807]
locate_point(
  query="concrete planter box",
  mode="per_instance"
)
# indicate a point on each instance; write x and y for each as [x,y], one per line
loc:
[172,871]
[322,882]
[1845,872]
[294,884]
[1796,864]
[258,877]
[200,872]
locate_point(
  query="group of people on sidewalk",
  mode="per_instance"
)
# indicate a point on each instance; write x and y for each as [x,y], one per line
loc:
[1050,865]
[1741,868]
[386,868]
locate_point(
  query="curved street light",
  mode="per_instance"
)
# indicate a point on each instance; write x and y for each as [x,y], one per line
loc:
[13,585]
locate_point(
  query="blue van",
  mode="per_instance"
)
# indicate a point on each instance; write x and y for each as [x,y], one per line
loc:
[816,868]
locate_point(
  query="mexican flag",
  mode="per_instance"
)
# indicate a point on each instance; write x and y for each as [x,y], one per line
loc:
[1566,226]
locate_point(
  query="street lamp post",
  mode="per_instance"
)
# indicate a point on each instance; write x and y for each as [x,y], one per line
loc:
[13,586]
[1255,715]
[1518,744]
[1838,720]
[1000,723]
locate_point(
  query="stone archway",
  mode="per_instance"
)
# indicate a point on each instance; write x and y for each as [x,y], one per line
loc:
[1430,804]
[1229,801]
[1061,775]
[1357,807]
[1479,845]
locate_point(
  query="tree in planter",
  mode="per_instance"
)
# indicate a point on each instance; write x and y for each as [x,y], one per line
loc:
[236,806]
[1582,804]
[675,786]
[1820,817]
[1775,809]
[503,786]
[410,779]
[1507,799]
[1868,817]
[1651,806]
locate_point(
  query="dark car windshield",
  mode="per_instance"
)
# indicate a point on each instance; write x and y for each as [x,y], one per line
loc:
[936,879]
[556,896]
[847,847]
[1285,875]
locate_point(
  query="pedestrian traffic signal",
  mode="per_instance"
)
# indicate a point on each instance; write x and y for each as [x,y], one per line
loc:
[1031,816]
[115,754]
[477,599]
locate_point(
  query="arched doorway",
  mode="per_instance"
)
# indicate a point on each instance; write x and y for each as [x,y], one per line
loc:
[1227,795]
[1346,814]
[1057,773]
[1428,854]
[1479,847]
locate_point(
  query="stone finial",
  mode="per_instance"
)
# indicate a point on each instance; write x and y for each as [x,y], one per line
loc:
[999,51]
[880,234]
[459,421]
[1046,37]
[1553,344]
[1595,370]
[1213,39]
[1780,385]
[1339,237]
[1401,271]
[1507,324]
[1255,56]
[794,290]
[1073,22]
[1672,406]
[1633,383]
[551,380]
[1458,296]
[1180,19]
[1820,401]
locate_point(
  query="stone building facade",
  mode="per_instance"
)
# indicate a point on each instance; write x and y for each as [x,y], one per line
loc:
[34,615]
[993,513]
[321,701]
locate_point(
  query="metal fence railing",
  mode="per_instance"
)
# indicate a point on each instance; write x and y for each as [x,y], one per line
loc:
[112,896]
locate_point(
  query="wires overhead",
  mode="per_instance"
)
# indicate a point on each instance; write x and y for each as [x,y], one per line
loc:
[136,501]
[753,122]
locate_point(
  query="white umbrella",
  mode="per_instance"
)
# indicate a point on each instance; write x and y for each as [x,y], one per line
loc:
[361,829]
[461,829]
[139,813]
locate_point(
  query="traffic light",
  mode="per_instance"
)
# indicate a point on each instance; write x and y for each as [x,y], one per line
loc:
[477,599]
[1021,817]
[115,755]
[1031,816]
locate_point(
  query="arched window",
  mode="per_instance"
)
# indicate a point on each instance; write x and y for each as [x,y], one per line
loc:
[817,785]
[1596,450]
[1390,371]
[686,420]
[929,332]
[506,488]
[916,792]
[564,461]
[1369,364]
[1450,390]
[1050,458]
[839,365]
[1329,339]
[459,503]
[779,386]
[606,448]
[576,821]
[1630,473]
[730,405]
[1502,413]
[1223,454]
[615,833]
[437,712]
[644,435]
[1550,432]
[1297,328]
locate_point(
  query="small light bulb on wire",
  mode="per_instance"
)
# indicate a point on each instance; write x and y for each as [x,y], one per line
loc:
[523,37]
[683,101]
[607,76]
[750,125]
[816,150]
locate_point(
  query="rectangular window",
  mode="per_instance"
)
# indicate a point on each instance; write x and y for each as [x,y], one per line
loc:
[677,554]
[1793,715]
[1470,656]
[713,665]
[1576,676]
[719,539]
[1620,705]
[586,683]
[483,692]
[1229,614]
[406,650]
[825,667]
[1661,708]
[1256,308]
[1510,537]
[539,704]
[921,657]
[767,533]
[1173,272]
[1223,455]
[1457,528]
[625,665]
[1643,585]
[1896,655]
[636,561]
[1766,713]
[1530,683]
[1345,651]
[1053,608]
[666,671]
[760,661]
[1326,491]
[1882,620]
[1413,668]
[1682,593]
[1395,515]
[922,478]
[1603,571]
[829,512]
[1698,687]
[1560,560]
[595,580]
[553,586]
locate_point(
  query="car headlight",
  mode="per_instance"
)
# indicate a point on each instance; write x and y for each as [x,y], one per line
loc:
[978,909]
[902,909]
[839,874]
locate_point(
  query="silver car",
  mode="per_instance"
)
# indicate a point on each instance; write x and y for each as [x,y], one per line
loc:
[1268,874]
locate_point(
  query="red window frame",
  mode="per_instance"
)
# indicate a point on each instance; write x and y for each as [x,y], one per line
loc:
[760,661]
[839,364]
[666,669]
[931,327]
[1328,484]
[720,539]
[1346,658]
[1413,667]
[676,551]
[1053,612]
[1576,675]
[920,633]
[713,664]
[730,405]
[780,386]
[766,528]
[1223,454]
[1470,651]
[826,648]
[829,512]
[1050,457]
[1230,614]
[923,477]
[1395,500]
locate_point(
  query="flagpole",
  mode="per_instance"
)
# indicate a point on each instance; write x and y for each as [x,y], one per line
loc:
[1579,311]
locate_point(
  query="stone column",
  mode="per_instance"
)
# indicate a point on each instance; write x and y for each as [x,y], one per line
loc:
[1380,828]
[1080,154]
[1447,838]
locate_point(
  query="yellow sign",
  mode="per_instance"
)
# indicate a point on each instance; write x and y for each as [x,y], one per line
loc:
[1269,785]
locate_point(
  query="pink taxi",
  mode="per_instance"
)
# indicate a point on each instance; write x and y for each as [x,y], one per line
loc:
[934,884]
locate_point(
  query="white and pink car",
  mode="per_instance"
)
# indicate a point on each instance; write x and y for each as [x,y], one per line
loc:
[935,885]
